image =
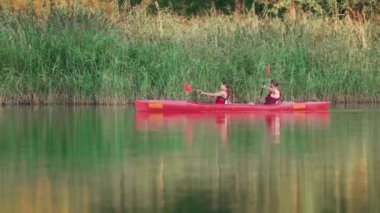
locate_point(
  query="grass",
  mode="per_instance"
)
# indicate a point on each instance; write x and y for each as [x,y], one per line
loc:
[78,56]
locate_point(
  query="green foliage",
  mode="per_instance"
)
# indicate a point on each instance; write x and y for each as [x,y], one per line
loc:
[271,8]
[81,57]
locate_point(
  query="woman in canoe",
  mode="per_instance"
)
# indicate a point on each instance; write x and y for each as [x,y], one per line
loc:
[222,97]
[274,94]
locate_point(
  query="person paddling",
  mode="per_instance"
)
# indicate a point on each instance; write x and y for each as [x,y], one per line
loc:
[222,97]
[274,94]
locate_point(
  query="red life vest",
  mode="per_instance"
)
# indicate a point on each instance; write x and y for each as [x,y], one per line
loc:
[221,100]
[270,100]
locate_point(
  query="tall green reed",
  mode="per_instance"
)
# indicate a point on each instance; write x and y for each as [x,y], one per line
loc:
[82,57]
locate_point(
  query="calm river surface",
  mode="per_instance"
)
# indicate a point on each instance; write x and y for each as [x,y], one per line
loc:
[111,159]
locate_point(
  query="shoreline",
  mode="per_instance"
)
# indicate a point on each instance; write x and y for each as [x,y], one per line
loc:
[33,100]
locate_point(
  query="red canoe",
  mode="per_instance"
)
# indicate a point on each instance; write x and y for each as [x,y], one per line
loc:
[186,106]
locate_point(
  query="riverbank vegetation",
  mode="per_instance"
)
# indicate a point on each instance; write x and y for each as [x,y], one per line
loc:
[109,53]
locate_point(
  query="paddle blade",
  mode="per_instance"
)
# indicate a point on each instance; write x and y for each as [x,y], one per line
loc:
[267,71]
[188,88]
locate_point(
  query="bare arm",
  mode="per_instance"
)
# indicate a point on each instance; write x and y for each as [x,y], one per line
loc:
[216,94]
[269,89]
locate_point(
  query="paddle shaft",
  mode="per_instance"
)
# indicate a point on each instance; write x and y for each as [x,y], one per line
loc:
[266,75]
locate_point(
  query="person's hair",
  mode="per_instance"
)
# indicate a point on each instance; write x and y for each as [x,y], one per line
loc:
[274,82]
[225,84]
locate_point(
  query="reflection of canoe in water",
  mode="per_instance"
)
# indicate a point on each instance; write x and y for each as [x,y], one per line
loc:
[185,106]
[165,120]
[221,122]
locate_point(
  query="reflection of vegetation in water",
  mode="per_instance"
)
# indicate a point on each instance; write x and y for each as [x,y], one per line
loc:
[100,166]
[80,136]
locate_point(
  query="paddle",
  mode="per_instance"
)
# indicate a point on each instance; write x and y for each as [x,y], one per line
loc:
[188,88]
[266,75]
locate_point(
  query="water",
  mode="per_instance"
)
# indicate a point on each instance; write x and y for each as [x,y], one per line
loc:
[109,159]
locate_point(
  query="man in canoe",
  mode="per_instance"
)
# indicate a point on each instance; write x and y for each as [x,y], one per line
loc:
[222,97]
[274,94]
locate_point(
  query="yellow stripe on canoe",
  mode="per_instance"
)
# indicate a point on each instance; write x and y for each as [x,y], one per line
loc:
[155,106]
[299,106]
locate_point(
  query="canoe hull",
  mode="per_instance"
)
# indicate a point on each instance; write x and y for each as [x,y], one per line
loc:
[185,106]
